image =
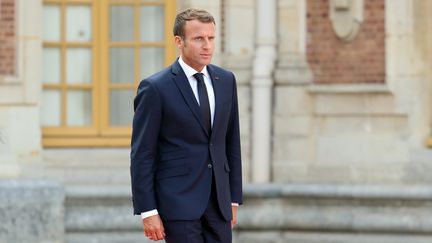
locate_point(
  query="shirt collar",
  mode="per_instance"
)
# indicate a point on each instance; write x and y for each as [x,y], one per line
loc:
[189,71]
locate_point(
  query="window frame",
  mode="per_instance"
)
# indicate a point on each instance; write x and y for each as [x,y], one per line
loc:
[100,133]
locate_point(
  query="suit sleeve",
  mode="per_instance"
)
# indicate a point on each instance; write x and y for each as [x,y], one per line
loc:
[145,130]
[233,149]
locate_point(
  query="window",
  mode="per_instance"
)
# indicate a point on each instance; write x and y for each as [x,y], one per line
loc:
[95,52]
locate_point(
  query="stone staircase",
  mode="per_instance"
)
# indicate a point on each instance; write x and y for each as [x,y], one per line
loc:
[273,214]
[101,214]
[98,207]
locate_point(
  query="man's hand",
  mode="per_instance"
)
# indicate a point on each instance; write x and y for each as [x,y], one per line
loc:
[234,216]
[153,228]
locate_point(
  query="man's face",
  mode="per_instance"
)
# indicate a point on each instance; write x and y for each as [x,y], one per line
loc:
[197,46]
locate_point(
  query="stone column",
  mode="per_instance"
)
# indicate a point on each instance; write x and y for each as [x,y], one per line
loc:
[262,83]
[20,138]
[407,64]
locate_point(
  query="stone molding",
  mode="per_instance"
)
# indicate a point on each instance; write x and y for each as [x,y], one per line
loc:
[349,89]
[292,69]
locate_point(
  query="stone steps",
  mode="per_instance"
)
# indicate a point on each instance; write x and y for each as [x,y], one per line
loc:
[108,237]
[274,214]
[101,214]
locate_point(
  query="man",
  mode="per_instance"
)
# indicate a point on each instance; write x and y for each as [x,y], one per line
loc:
[185,156]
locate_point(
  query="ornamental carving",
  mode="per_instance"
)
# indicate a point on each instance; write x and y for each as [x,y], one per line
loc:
[346,17]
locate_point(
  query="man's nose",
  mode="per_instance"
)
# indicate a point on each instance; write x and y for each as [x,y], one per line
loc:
[206,43]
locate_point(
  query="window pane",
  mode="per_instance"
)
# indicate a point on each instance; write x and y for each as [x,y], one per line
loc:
[121,23]
[51,65]
[79,65]
[121,107]
[78,23]
[152,60]
[152,23]
[50,108]
[122,65]
[79,108]
[51,23]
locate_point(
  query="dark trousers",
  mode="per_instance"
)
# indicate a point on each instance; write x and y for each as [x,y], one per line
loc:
[210,228]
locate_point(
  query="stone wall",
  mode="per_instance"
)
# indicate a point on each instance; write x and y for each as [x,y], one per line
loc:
[354,132]
[20,131]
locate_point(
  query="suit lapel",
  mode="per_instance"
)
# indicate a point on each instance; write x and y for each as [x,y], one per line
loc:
[185,89]
[218,93]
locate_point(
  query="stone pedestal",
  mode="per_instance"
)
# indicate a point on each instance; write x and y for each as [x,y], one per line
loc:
[31,211]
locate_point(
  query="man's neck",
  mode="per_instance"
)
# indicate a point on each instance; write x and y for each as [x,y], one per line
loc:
[189,71]
[199,70]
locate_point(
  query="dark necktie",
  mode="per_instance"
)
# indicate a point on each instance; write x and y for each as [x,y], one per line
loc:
[204,101]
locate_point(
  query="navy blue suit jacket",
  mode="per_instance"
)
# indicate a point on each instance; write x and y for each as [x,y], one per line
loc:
[171,149]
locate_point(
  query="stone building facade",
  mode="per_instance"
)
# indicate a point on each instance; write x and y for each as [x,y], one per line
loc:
[335,106]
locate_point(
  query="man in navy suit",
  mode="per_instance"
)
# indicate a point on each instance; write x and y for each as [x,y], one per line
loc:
[185,157]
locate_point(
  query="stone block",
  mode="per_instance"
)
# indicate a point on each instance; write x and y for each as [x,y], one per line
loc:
[30,13]
[241,3]
[289,171]
[348,104]
[343,237]
[31,211]
[94,158]
[258,237]
[244,99]
[292,125]
[32,54]
[357,148]
[293,149]
[240,20]
[365,209]
[89,207]
[396,124]
[380,173]
[302,149]
[292,101]
[245,129]
[289,22]
[8,169]
[24,130]
[334,173]
[246,170]
[417,172]
[240,65]
[108,237]
[294,71]
[11,94]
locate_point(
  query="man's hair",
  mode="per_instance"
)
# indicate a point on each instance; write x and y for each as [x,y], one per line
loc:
[188,15]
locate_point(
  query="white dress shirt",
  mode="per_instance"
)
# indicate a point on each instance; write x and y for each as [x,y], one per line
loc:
[189,71]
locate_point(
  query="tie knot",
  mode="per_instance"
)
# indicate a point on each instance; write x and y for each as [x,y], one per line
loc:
[199,76]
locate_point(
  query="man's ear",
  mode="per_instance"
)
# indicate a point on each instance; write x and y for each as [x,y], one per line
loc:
[179,42]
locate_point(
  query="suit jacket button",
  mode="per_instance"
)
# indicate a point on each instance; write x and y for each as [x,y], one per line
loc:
[209,166]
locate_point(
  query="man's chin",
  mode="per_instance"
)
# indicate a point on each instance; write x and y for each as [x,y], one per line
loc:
[206,62]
